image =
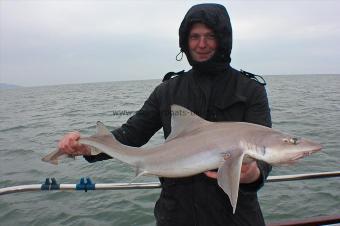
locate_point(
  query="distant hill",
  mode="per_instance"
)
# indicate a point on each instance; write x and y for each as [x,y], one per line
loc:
[8,86]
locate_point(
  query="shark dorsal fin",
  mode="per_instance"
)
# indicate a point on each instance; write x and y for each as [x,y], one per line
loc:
[102,129]
[183,121]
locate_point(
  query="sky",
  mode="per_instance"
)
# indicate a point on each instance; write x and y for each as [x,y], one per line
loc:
[49,42]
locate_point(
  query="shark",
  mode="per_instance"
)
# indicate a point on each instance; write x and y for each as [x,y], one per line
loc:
[196,145]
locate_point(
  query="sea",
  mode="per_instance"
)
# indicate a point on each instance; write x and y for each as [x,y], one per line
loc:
[33,119]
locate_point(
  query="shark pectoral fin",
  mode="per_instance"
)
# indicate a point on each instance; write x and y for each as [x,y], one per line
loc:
[228,175]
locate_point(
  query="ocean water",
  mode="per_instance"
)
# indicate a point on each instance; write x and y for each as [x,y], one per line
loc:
[32,120]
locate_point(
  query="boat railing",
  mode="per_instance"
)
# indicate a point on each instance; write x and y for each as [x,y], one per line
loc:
[86,184]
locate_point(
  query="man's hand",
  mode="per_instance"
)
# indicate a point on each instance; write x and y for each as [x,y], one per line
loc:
[69,145]
[250,173]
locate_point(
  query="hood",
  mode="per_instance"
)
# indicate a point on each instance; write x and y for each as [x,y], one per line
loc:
[216,17]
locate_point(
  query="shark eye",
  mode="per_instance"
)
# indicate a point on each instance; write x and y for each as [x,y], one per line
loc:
[293,140]
[286,140]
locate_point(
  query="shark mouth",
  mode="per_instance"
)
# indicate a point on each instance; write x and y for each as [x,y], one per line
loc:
[305,154]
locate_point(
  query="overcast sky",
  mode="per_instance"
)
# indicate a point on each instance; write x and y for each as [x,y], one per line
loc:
[79,41]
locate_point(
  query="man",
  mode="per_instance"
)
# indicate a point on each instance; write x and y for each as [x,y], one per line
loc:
[216,92]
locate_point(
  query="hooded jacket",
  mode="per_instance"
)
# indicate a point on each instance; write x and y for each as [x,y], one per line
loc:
[216,92]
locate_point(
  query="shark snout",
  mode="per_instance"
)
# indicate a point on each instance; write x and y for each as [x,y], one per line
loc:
[309,149]
[314,147]
[308,153]
[317,148]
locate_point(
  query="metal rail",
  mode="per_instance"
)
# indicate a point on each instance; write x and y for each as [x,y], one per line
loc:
[304,176]
[86,184]
[313,221]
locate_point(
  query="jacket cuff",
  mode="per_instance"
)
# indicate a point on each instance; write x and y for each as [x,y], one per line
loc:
[264,168]
[96,158]
[99,157]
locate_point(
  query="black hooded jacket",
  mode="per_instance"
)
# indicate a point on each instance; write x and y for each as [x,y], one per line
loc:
[216,92]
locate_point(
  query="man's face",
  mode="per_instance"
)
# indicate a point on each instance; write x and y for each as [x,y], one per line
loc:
[202,42]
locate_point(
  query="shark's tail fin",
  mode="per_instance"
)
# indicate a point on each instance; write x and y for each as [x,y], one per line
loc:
[54,156]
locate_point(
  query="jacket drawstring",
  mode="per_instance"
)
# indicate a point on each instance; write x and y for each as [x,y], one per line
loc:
[179,56]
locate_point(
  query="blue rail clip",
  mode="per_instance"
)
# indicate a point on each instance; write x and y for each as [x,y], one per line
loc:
[85,184]
[50,184]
